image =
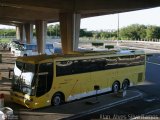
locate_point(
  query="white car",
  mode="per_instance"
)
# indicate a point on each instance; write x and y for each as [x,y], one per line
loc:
[13,46]
[31,49]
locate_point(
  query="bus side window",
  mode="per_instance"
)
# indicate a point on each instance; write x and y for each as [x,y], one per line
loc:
[112,62]
[86,65]
[90,65]
[138,60]
[45,78]
[64,68]
[97,64]
[123,61]
[77,67]
[141,59]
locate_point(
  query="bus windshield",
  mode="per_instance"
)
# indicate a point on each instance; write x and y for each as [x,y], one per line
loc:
[24,76]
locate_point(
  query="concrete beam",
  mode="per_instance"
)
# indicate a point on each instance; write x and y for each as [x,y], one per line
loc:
[29,10]
[22,34]
[76,30]
[3,22]
[29,32]
[113,6]
[17,33]
[70,26]
[12,20]
[41,32]
[22,14]
[66,5]
[87,6]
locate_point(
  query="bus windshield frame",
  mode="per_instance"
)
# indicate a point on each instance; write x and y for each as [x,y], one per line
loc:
[24,78]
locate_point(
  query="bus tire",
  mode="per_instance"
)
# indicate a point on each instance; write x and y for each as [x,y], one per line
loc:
[57,99]
[115,87]
[125,84]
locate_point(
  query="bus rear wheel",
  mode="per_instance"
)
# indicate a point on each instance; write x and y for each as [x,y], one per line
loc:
[56,99]
[115,87]
[125,84]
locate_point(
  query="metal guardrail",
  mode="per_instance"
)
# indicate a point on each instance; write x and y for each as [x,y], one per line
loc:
[8,37]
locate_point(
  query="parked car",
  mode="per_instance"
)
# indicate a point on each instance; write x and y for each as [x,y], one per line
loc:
[31,49]
[14,45]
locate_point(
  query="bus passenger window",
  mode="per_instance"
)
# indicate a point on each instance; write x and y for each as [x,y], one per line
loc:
[64,68]
[123,61]
[86,64]
[77,67]
[138,60]
[97,64]
[111,63]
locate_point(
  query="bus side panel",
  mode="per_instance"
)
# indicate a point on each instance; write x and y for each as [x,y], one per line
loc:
[134,74]
[103,79]
[77,86]
[74,86]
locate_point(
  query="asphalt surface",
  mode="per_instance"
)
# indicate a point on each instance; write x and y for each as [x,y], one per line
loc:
[76,109]
[153,68]
[148,107]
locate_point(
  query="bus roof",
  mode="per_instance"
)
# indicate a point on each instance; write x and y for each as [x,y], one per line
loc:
[75,55]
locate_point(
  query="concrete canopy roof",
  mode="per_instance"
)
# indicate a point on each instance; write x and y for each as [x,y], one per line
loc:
[14,12]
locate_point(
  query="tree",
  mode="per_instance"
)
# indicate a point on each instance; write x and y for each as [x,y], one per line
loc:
[95,35]
[85,33]
[53,30]
[104,35]
[134,31]
[153,32]
[7,32]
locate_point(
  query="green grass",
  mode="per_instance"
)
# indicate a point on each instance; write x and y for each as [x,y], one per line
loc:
[5,40]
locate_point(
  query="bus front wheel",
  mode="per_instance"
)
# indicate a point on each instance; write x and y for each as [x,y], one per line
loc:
[56,99]
[115,87]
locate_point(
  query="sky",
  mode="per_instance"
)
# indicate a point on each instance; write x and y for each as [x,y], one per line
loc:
[110,22]
[107,22]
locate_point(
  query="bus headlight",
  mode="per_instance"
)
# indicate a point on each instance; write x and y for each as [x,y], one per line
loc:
[27,98]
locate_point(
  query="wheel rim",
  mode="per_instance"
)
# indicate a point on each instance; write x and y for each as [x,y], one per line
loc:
[125,85]
[115,88]
[57,100]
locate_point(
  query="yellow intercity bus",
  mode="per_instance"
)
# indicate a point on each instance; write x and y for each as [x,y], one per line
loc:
[45,80]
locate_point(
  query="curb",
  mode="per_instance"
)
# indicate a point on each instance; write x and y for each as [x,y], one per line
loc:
[105,106]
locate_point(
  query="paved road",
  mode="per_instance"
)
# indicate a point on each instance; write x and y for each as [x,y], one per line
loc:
[153,68]
[148,105]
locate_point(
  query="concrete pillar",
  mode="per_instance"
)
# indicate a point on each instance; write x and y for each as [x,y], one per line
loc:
[22,34]
[70,26]
[29,33]
[41,32]
[17,33]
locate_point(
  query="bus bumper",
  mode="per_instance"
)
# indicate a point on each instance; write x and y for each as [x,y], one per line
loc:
[23,100]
